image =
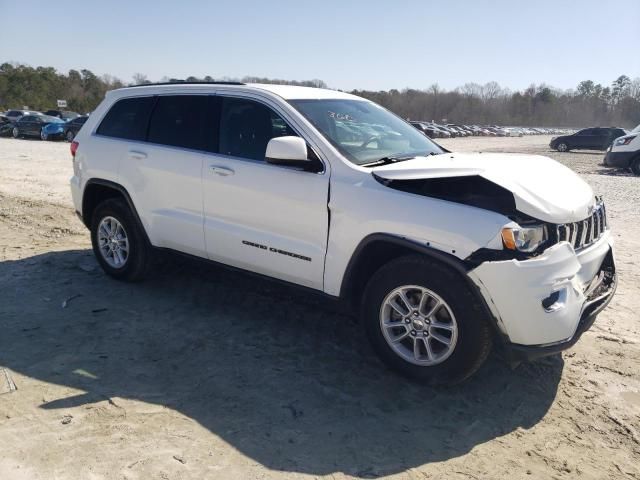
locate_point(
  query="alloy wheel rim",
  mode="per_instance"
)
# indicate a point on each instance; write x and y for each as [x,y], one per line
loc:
[15,132]
[418,325]
[113,242]
[69,136]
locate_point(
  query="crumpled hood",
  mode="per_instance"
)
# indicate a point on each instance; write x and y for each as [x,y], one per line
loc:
[542,188]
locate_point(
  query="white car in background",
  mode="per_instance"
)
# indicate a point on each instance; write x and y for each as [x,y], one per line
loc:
[624,152]
[441,254]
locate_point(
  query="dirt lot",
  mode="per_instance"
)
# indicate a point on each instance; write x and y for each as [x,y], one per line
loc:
[201,373]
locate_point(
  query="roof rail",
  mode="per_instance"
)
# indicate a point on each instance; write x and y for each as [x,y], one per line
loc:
[184,83]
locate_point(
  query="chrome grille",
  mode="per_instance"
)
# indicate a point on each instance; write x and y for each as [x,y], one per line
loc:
[585,232]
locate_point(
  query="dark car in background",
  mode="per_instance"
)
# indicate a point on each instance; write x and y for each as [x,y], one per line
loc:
[72,127]
[6,126]
[426,129]
[32,125]
[598,138]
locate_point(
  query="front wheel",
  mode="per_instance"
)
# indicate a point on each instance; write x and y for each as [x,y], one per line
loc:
[118,241]
[15,132]
[70,136]
[635,166]
[562,147]
[43,135]
[424,321]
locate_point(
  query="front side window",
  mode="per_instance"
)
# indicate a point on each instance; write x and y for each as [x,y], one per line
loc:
[127,119]
[585,132]
[363,131]
[247,126]
[178,120]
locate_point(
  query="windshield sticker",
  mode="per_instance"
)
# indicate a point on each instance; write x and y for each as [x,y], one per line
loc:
[340,116]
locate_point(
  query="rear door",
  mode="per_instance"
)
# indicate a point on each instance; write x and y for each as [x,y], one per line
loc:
[261,217]
[601,138]
[165,171]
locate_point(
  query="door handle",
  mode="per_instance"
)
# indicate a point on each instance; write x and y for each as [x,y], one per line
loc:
[136,155]
[221,171]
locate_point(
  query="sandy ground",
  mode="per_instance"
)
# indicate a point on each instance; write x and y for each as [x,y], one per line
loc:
[201,373]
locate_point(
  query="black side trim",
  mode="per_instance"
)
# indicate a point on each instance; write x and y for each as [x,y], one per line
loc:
[458,265]
[302,288]
[127,197]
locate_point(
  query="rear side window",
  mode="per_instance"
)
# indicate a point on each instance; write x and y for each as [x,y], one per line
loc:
[179,120]
[127,119]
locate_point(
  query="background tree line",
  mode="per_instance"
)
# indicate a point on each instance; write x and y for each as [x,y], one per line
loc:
[539,105]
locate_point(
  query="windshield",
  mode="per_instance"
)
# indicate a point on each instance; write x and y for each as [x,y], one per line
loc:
[363,131]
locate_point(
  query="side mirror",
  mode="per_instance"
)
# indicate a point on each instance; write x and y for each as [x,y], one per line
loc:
[292,152]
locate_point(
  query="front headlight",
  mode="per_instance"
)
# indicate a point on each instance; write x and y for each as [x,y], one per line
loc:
[624,140]
[524,239]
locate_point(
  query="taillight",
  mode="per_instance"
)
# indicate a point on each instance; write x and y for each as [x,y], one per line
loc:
[74,148]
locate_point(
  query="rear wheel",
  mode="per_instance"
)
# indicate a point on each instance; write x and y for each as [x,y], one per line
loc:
[70,136]
[43,135]
[635,166]
[118,242]
[562,147]
[424,321]
[15,132]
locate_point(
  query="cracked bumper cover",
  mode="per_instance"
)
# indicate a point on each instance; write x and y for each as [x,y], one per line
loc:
[515,290]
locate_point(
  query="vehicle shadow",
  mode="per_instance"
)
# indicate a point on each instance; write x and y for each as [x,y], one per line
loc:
[599,153]
[283,376]
[613,172]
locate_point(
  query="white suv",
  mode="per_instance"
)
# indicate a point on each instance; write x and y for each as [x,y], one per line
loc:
[624,152]
[441,254]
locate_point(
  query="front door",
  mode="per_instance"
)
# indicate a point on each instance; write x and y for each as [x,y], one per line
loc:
[261,217]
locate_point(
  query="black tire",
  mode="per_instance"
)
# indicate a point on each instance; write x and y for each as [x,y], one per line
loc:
[635,166]
[562,147]
[475,337]
[139,254]
[69,136]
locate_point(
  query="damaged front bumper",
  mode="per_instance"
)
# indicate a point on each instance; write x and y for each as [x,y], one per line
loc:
[543,305]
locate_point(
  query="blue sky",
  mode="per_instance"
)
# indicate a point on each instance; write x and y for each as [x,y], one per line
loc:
[349,44]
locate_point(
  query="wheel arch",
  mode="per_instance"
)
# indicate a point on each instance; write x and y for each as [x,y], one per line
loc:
[97,190]
[377,249]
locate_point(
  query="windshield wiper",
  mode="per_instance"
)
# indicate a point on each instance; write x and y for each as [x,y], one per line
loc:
[394,159]
[388,159]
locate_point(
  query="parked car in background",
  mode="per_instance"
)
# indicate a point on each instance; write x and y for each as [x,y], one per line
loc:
[6,125]
[587,139]
[14,115]
[54,130]
[65,115]
[429,129]
[72,127]
[32,125]
[624,152]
